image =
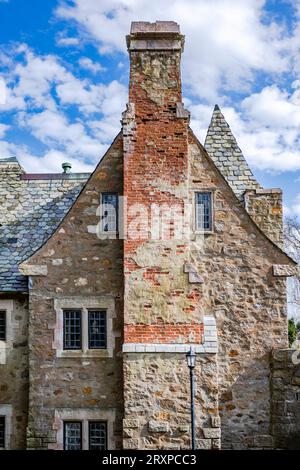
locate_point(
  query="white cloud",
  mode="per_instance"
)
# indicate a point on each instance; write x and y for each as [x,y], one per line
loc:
[3,129]
[226,44]
[65,41]
[88,64]
[40,89]
[29,82]
[293,210]
[3,93]
[226,41]
[51,162]
[53,129]
[267,127]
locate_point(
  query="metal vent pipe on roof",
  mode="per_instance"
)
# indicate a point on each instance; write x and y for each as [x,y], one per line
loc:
[66,167]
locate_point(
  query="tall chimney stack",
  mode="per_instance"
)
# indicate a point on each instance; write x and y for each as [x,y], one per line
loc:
[155,52]
[155,146]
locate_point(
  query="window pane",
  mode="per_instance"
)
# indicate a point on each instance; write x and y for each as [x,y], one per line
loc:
[72,329]
[97,435]
[203,211]
[109,212]
[2,432]
[97,329]
[72,435]
[2,325]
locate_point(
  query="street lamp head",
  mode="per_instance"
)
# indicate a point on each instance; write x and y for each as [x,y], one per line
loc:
[191,358]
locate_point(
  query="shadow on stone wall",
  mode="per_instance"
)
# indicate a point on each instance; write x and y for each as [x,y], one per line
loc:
[285,398]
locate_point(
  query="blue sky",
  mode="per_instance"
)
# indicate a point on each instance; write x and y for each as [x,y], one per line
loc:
[64,77]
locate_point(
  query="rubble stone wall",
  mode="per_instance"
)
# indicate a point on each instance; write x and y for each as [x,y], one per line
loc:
[14,369]
[249,303]
[81,271]
[285,388]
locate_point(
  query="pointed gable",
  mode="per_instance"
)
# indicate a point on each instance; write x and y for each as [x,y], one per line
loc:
[222,147]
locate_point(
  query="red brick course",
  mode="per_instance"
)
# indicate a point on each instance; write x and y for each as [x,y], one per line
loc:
[166,333]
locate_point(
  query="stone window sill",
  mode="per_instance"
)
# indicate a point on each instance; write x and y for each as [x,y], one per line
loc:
[104,353]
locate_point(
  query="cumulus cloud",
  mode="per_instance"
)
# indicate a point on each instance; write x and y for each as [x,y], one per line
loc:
[40,90]
[266,127]
[66,41]
[227,44]
[88,64]
[227,41]
[3,129]
[51,162]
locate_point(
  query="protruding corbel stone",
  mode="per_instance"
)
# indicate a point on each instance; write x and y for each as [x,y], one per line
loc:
[181,112]
[194,277]
[284,270]
[33,270]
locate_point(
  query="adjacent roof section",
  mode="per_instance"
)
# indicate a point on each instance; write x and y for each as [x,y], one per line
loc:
[31,209]
[222,147]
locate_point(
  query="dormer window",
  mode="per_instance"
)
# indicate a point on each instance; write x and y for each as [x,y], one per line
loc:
[203,211]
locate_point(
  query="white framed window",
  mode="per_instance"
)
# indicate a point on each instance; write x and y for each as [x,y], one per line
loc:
[5,426]
[2,432]
[84,327]
[203,211]
[97,435]
[109,212]
[84,429]
[96,327]
[2,325]
[6,328]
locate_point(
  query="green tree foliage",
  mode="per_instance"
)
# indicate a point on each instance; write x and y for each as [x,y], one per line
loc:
[294,328]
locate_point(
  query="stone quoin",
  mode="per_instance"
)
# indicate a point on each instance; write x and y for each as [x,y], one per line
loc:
[100,307]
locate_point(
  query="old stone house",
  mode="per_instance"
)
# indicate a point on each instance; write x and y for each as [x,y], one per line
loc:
[97,310]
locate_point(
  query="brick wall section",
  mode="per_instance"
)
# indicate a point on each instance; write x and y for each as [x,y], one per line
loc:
[155,171]
[164,333]
[80,267]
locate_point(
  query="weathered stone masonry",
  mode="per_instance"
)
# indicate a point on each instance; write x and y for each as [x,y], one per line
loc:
[222,291]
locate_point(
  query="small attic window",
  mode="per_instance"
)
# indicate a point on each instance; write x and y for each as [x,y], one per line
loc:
[203,209]
[109,212]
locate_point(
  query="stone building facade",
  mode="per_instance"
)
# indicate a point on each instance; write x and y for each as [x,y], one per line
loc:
[102,301]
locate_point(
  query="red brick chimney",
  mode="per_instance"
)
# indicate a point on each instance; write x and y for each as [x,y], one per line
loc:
[155,132]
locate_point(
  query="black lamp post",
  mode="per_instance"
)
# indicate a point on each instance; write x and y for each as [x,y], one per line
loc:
[191,362]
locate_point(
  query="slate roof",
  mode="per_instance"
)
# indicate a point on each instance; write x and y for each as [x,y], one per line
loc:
[32,206]
[222,147]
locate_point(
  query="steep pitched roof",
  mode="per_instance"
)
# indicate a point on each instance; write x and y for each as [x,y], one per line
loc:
[31,208]
[222,147]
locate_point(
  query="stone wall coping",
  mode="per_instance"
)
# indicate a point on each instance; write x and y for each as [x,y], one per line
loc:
[169,348]
[33,270]
[264,191]
[284,270]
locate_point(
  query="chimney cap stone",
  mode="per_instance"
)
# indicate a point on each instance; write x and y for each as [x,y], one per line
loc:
[157,27]
[158,36]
